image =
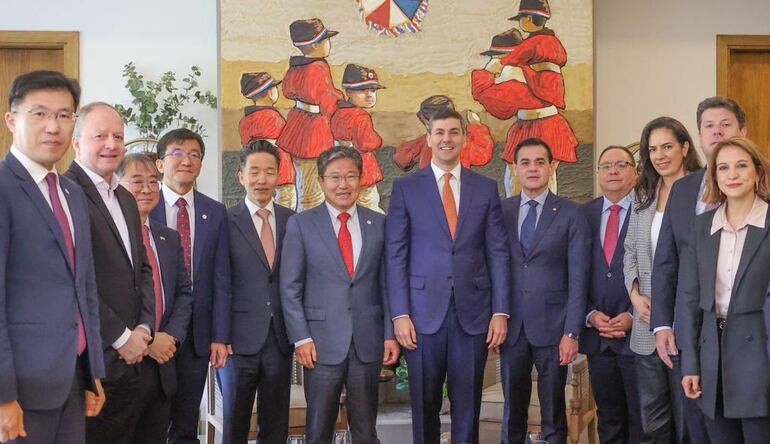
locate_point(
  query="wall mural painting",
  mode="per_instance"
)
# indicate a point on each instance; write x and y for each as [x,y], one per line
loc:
[370,74]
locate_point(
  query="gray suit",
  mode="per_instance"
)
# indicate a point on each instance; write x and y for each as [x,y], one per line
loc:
[347,318]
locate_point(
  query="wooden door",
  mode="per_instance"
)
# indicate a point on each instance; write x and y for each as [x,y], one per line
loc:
[25,51]
[743,74]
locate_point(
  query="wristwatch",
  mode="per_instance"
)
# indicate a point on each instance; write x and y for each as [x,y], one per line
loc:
[572,336]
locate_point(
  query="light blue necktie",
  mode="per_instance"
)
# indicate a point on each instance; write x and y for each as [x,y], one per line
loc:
[528,227]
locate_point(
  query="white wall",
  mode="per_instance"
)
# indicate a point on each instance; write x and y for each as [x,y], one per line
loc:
[158,35]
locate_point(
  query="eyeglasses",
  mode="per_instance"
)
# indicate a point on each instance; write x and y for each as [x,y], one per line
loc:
[337,179]
[195,156]
[619,165]
[40,115]
[136,186]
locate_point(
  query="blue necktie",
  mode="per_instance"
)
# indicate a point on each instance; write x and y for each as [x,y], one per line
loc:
[527,234]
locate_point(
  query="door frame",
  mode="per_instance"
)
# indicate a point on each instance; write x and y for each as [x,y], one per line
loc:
[726,46]
[66,41]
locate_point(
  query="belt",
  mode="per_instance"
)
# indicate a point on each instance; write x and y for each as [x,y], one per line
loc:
[546,66]
[538,113]
[307,107]
[721,323]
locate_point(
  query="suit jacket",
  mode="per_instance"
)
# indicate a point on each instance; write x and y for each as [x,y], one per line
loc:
[177,290]
[549,286]
[745,366]
[126,296]
[606,289]
[211,272]
[255,285]
[672,243]
[426,267]
[637,266]
[40,294]
[321,301]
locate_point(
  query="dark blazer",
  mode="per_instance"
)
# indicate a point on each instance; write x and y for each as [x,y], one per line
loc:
[126,296]
[606,289]
[672,243]
[211,272]
[40,294]
[177,290]
[255,286]
[549,286]
[424,263]
[745,366]
[321,301]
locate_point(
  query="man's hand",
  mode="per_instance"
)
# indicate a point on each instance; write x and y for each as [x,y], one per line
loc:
[405,333]
[665,343]
[11,421]
[162,348]
[498,331]
[306,354]
[135,349]
[494,66]
[616,327]
[641,305]
[691,386]
[95,401]
[390,356]
[568,350]
[218,355]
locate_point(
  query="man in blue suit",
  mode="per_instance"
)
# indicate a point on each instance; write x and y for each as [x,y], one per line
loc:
[550,255]
[202,226]
[51,361]
[609,318]
[448,281]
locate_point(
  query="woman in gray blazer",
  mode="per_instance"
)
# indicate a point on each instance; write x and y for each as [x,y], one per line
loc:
[724,287]
[666,154]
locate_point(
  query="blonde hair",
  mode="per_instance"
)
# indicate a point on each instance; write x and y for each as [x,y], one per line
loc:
[762,187]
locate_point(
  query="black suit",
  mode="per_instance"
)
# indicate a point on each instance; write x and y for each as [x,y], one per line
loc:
[126,300]
[262,359]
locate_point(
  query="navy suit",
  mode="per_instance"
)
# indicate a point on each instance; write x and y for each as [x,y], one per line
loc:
[40,298]
[549,290]
[610,361]
[210,320]
[450,289]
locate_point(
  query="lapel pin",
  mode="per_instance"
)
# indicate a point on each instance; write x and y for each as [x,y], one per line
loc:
[368,222]
[162,238]
[204,217]
[554,208]
[66,191]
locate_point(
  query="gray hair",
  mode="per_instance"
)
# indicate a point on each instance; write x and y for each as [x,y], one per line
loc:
[337,153]
[137,158]
[85,110]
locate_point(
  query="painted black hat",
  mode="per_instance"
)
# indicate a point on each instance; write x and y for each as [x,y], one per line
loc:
[504,43]
[533,7]
[360,77]
[307,32]
[255,83]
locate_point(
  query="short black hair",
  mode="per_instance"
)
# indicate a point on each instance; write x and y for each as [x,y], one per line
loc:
[258,146]
[721,102]
[532,141]
[617,147]
[444,114]
[177,136]
[39,81]
[337,153]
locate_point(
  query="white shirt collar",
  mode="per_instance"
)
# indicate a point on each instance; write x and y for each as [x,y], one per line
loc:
[333,212]
[540,199]
[439,173]
[624,202]
[37,171]
[99,180]
[254,207]
[170,197]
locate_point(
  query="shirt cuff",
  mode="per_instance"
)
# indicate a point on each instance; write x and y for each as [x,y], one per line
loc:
[657,329]
[121,341]
[399,317]
[588,316]
[146,327]
[507,316]
[303,342]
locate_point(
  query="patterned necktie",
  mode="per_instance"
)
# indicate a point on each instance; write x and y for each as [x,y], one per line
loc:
[527,234]
[346,242]
[155,275]
[450,207]
[266,235]
[611,233]
[183,228]
[61,217]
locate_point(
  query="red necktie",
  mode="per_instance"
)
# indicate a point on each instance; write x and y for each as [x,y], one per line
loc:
[155,275]
[183,228]
[611,233]
[450,208]
[61,217]
[346,242]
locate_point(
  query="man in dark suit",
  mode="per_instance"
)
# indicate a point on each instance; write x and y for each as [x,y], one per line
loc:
[123,275]
[52,361]
[609,318]
[448,281]
[173,300]
[550,257]
[718,119]
[202,226]
[261,360]
[334,301]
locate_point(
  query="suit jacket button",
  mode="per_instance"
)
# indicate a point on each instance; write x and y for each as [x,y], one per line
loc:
[268,303]
[525,265]
[75,325]
[270,280]
[609,274]
[749,338]
[350,308]
[351,285]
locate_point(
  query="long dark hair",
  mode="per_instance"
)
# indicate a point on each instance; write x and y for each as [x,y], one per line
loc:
[647,184]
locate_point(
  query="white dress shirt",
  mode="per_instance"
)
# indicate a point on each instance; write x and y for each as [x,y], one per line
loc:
[170,198]
[258,220]
[454,184]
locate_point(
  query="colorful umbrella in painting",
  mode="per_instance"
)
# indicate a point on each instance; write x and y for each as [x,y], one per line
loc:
[393,17]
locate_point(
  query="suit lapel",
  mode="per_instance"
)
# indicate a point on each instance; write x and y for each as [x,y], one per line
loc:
[281,217]
[754,238]
[201,229]
[434,197]
[365,225]
[325,228]
[159,212]
[165,256]
[245,225]
[466,193]
[618,255]
[516,203]
[550,208]
[126,200]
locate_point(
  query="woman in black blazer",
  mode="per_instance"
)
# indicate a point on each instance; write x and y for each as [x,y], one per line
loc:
[725,280]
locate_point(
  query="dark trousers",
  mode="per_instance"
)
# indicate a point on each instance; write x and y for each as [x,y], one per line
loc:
[458,358]
[268,373]
[64,425]
[516,363]
[323,387]
[613,378]
[116,424]
[695,425]
[154,418]
[191,372]
[661,399]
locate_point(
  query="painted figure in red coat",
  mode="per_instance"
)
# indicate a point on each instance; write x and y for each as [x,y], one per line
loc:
[479,145]
[352,126]
[308,125]
[262,121]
